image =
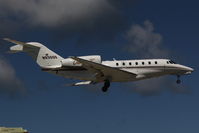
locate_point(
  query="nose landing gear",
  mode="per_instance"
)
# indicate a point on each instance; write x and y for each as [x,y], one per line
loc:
[178,81]
[106,86]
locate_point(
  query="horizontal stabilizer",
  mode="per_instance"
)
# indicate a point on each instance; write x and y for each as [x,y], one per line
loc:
[14,41]
[16,48]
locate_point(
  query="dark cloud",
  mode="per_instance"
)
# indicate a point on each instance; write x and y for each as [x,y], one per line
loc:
[144,42]
[54,12]
[9,82]
[50,13]
[87,21]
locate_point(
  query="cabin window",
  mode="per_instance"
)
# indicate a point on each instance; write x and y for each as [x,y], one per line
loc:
[156,62]
[136,63]
[130,63]
[149,63]
[123,64]
[117,64]
[167,62]
[142,63]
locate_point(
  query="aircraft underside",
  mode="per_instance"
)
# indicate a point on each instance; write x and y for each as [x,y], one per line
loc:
[86,75]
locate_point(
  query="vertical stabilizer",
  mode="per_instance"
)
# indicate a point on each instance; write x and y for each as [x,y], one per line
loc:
[40,53]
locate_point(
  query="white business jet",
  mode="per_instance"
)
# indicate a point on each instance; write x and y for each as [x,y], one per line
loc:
[91,69]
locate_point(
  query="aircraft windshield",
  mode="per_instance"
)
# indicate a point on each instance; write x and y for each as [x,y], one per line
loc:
[172,62]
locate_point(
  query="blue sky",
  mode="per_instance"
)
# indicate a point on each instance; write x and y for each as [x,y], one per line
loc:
[39,102]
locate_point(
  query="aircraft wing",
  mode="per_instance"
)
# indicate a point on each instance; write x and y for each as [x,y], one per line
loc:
[106,72]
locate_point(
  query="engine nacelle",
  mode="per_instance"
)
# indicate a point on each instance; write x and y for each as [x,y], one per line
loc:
[71,62]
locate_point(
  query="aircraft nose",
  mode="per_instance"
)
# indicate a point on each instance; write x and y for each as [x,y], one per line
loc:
[188,70]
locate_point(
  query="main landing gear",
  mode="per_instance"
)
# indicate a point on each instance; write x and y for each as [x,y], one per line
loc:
[178,81]
[106,86]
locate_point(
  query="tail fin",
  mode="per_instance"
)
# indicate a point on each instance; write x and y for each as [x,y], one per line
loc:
[41,54]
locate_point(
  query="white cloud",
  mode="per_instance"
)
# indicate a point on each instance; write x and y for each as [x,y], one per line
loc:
[9,82]
[144,42]
[54,12]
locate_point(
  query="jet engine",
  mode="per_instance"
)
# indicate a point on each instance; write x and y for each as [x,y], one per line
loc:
[71,62]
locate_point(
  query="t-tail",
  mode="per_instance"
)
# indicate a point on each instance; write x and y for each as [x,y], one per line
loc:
[44,57]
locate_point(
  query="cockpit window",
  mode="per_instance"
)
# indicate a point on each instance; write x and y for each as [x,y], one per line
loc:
[172,62]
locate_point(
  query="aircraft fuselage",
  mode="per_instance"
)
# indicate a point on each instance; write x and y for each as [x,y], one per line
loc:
[143,68]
